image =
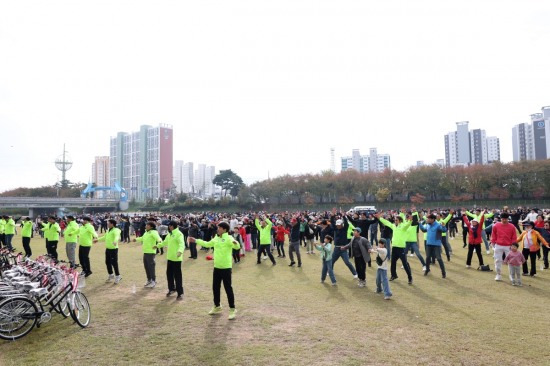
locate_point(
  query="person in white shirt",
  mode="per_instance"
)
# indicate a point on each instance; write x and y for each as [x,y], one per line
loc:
[382,272]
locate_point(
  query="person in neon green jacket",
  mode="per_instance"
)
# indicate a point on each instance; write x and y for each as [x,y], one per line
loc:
[51,233]
[111,239]
[176,246]
[149,242]
[444,241]
[9,231]
[399,239]
[2,231]
[86,235]
[223,245]
[71,238]
[26,234]
[412,239]
[264,227]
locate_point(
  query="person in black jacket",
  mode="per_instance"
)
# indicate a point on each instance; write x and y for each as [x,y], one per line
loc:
[294,245]
[340,228]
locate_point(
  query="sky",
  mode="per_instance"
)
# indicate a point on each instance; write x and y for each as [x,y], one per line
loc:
[264,87]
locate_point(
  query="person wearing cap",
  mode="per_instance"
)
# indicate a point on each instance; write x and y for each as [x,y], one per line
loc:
[174,256]
[531,240]
[360,249]
[111,238]
[475,227]
[502,237]
[51,233]
[382,283]
[340,228]
[326,256]
[26,234]
[71,236]
[223,245]
[477,216]
[86,235]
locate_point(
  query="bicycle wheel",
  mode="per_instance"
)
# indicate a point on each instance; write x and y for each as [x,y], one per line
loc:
[63,307]
[17,317]
[80,310]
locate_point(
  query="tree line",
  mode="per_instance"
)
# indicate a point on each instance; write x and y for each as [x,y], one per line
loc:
[497,181]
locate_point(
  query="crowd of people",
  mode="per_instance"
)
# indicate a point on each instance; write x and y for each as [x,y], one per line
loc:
[515,237]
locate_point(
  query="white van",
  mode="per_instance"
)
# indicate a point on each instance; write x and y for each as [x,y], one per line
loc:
[365,209]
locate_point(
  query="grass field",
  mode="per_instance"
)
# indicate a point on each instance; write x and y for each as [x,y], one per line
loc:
[286,317]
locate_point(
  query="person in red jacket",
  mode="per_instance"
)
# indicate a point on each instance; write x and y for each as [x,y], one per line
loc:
[242,233]
[280,232]
[502,237]
[474,239]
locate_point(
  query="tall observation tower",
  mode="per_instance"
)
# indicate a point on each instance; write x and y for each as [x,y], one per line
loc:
[63,163]
[332,160]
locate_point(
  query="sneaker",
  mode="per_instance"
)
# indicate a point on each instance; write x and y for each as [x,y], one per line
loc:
[170,293]
[444,275]
[387,297]
[424,269]
[411,281]
[334,284]
[468,266]
[179,298]
[355,276]
[215,310]
[274,263]
[292,264]
[393,278]
[322,281]
[118,278]
[520,284]
[152,284]
[232,313]
[88,274]
[110,278]
[147,284]
[498,277]
[513,283]
[411,255]
[426,272]
[265,257]
[488,252]
[299,265]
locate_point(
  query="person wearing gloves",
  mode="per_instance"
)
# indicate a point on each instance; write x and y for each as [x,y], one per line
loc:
[111,239]
[149,241]
[326,256]
[176,246]
[223,245]
[360,250]
[86,235]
